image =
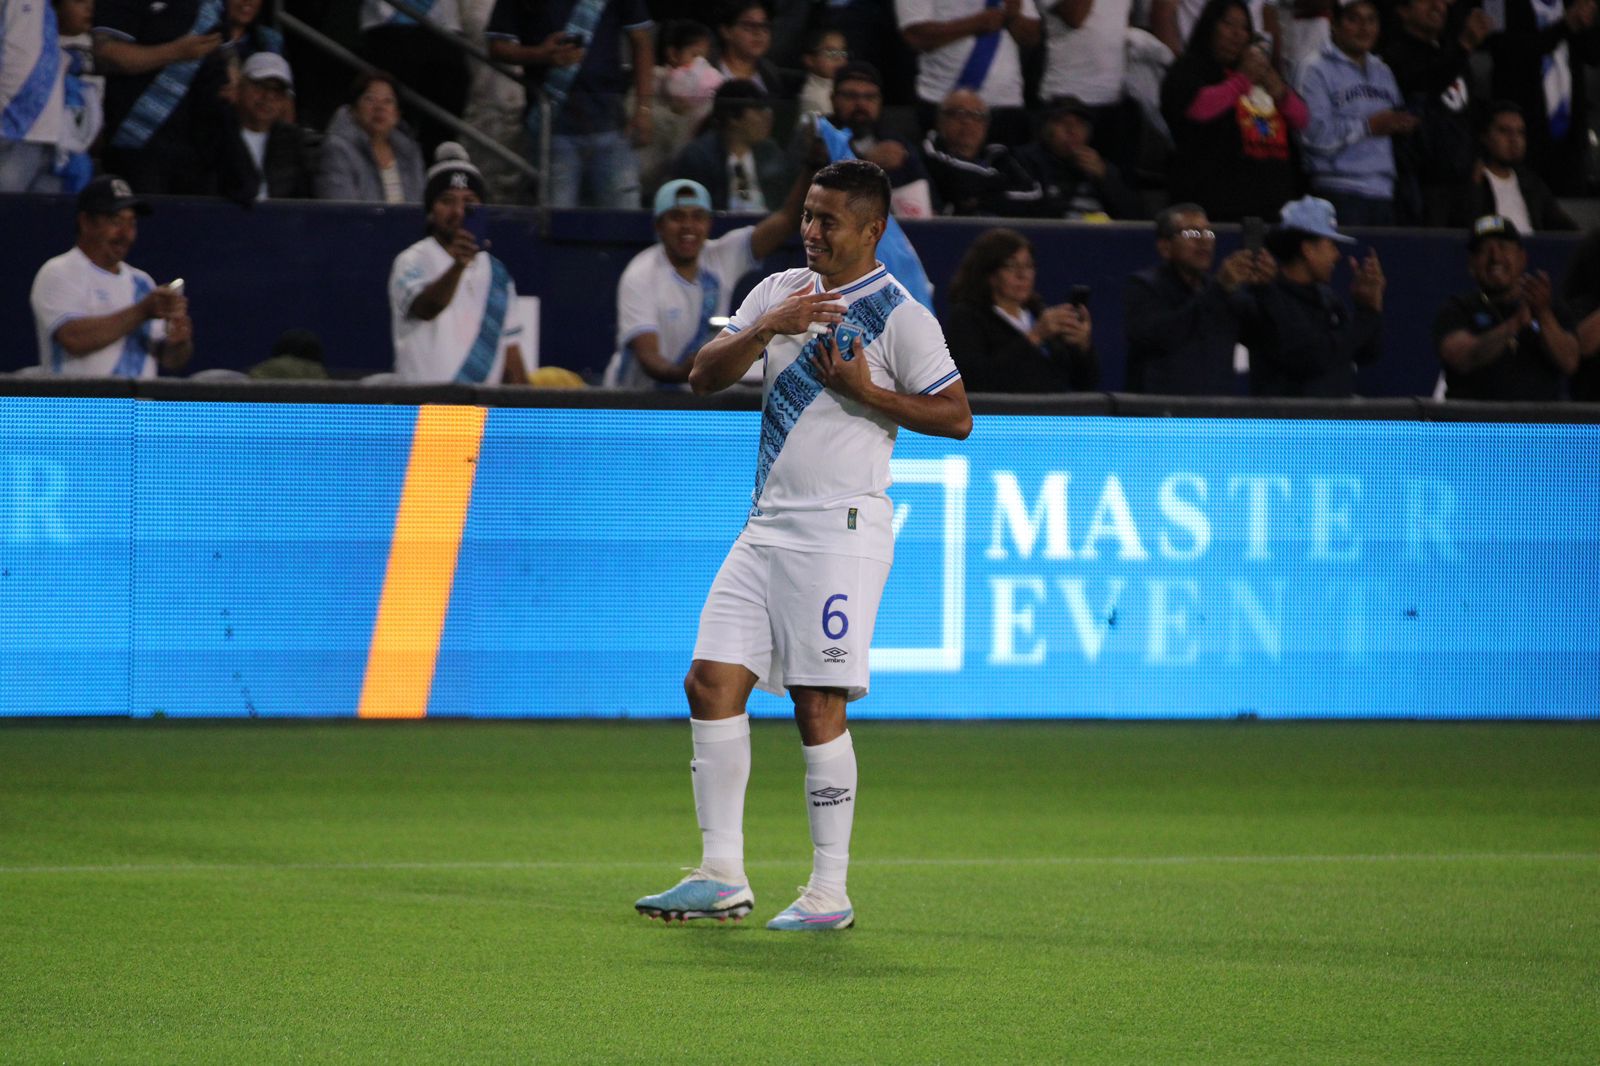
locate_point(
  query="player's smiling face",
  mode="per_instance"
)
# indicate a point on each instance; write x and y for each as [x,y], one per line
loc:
[839,242]
[683,232]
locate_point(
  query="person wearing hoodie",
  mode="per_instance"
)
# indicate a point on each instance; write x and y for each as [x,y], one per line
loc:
[366,155]
[1356,108]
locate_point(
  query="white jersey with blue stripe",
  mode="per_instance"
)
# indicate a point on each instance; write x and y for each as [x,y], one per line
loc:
[32,73]
[822,468]
[71,286]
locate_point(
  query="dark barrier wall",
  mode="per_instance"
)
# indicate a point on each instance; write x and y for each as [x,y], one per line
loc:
[332,559]
[252,273]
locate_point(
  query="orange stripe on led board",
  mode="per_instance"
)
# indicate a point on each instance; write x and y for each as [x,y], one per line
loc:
[422,562]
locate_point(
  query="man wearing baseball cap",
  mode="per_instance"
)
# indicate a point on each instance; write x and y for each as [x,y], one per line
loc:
[98,316]
[261,155]
[1509,338]
[1308,340]
[671,291]
[452,305]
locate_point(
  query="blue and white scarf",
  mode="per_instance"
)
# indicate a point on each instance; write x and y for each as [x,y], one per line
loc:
[163,95]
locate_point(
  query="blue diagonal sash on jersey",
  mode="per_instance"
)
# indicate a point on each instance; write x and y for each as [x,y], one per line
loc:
[894,250]
[396,18]
[558,82]
[136,345]
[480,360]
[163,95]
[24,109]
[981,58]
[793,390]
[710,290]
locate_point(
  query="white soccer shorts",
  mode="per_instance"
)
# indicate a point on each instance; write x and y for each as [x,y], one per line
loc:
[793,618]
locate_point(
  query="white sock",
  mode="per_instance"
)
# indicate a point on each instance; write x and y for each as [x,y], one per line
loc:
[720,770]
[831,805]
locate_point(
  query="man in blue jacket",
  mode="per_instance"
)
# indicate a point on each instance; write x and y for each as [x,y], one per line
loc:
[1356,107]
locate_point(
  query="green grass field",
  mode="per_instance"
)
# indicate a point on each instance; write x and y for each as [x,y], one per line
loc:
[1150,893]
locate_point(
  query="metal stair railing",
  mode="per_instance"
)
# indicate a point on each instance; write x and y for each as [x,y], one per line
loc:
[414,99]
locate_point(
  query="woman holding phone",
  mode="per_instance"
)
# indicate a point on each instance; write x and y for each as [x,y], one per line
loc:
[1002,335]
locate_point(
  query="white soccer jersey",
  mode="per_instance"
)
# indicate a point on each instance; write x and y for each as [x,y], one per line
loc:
[465,342]
[32,73]
[70,286]
[939,69]
[822,469]
[653,297]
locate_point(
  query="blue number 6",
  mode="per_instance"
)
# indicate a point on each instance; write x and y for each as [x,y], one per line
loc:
[829,613]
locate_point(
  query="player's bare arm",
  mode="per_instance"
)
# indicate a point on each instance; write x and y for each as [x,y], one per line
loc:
[943,414]
[724,360]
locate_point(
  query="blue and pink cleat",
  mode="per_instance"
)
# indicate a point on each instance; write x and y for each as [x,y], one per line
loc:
[698,896]
[814,912]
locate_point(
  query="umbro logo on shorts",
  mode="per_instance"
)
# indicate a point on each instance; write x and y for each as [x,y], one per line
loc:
[830,797]
[834,655]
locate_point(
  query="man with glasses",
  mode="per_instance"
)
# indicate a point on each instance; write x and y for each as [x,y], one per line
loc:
[261,155]
[972,44]
[1182,322]
[971,176]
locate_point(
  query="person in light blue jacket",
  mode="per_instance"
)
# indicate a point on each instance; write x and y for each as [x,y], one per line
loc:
[1356,107]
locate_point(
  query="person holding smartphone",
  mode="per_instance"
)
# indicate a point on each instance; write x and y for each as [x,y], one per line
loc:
[453,305]
[1003,336]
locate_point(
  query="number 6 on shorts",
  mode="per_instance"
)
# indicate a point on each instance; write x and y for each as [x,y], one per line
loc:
[829,614]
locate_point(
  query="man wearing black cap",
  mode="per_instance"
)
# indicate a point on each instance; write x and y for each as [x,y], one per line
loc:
[1077,181]
[97,316]
[1508,339]
[452,305]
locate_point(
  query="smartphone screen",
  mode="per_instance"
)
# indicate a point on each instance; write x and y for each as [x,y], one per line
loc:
[476,222]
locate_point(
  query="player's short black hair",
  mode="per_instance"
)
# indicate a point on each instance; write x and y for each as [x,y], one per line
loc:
[865,185]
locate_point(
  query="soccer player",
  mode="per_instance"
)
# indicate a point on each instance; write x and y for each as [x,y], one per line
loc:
[850,357]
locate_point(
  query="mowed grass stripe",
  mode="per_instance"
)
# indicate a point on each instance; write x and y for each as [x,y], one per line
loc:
[568,865]
[427,892]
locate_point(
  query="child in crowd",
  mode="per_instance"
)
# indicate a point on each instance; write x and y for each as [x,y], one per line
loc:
[685,84]
[826,52]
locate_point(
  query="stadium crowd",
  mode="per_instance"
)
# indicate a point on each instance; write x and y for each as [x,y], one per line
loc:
[1467,114]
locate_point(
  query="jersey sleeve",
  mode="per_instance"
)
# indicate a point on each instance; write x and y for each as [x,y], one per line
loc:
[406,281]
[55,299]
[918,357]
[637,310]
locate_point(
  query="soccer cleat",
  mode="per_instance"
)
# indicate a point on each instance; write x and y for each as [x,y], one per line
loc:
[814,912]
[698,896]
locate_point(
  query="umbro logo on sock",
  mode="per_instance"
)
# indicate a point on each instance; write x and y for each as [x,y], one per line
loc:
[830,797]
